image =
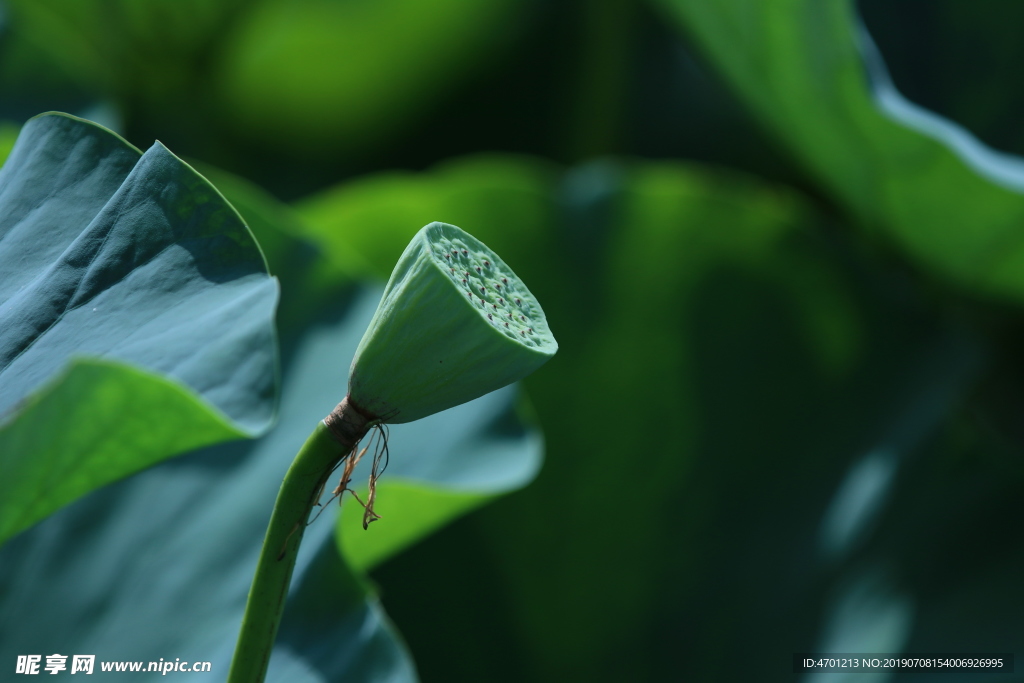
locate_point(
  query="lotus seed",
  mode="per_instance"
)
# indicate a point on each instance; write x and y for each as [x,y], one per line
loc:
[490,288]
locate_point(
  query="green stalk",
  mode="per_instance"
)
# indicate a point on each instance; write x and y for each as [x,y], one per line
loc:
[333,438]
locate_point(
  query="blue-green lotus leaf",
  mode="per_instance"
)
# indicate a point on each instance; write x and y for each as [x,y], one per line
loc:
[136,316]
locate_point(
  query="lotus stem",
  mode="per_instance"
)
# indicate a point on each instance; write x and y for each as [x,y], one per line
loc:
[332,440]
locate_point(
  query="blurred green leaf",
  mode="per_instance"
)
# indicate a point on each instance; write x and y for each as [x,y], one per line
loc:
[8,135]
[134,259]
[674,228]
[493,197]
[811,74]
[280,231]
[935,53]
[949,536]
[121,48]
[311,77]
[318,75]
[414,511]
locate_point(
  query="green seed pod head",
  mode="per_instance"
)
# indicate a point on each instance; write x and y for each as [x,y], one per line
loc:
[454,324]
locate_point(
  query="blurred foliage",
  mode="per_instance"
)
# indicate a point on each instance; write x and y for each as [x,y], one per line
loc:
[316,77]
[372,215]
[785,413]
[895,171]
[955,60]
[280,77]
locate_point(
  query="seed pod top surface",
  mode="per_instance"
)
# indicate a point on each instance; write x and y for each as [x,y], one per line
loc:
[454,323]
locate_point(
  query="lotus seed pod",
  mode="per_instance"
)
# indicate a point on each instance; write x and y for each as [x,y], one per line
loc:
[454,324]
